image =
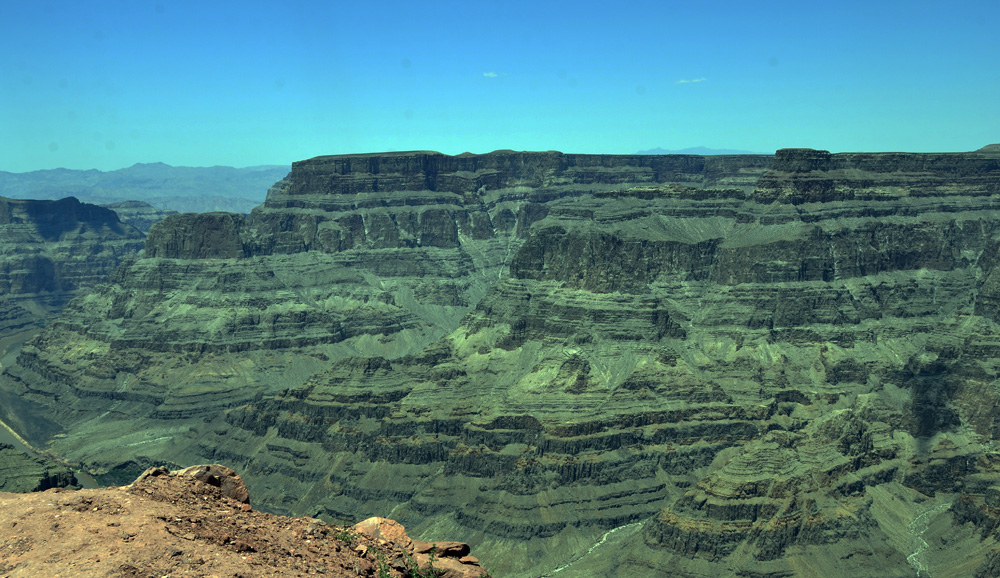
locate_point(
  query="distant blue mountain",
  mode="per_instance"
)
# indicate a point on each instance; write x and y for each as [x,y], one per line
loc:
[697,151]
[182,189]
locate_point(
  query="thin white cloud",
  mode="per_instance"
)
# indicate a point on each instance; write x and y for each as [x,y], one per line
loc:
[490,74]
[690,80]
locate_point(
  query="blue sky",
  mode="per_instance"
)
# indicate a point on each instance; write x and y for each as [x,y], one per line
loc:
[105,84]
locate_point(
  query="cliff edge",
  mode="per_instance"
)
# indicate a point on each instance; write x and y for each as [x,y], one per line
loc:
[198,521]
[726,366]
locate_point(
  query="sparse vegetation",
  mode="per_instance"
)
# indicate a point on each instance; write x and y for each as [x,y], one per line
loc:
[382,565]
[345,535]
[415,571]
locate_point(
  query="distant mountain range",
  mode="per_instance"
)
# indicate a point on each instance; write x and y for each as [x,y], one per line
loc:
[181,189]
[185,189]
[697,151]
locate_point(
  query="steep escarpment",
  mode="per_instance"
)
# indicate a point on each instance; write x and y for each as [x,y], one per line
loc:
[694,365]
[807,176]
[20,472]
[376,254]
[198,236]
[50,251]
[139,214]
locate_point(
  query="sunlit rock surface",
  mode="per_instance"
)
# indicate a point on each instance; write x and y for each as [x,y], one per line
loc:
[614,365]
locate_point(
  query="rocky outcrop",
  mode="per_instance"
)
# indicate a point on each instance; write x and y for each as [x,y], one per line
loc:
[20,472]
[198,236]
[138,214]
[695,365]
[189,522]
[445,559]
[51,251]
[230,483]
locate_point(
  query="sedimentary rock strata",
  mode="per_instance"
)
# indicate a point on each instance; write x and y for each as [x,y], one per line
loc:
[138,214]
[20,472]
[698,365]
[50,250]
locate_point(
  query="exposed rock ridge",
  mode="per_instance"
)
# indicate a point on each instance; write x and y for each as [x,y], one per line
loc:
[721,380]
[199,521]
[504,169]
[53,249]
[806,176]
[20,472]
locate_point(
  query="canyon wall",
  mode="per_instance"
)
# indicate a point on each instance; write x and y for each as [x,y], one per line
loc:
[736,365]
[50,250]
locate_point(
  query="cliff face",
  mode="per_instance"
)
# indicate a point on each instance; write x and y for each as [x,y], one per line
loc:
[50,250]
[702,365]
[807,176]
[138,214]
[20,472]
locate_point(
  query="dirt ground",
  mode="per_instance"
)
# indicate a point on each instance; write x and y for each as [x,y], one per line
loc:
[175,525]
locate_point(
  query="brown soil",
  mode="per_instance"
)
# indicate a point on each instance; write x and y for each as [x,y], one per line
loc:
[174,525]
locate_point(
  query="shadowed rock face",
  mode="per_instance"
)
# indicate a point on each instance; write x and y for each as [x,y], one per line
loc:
[20,472]
[49,250]
[746,365]
[198,236]
[139,214]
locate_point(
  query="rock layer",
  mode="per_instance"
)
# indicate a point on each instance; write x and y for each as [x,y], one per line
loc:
[50,251]
[20,472]
[138,214]
[620,365]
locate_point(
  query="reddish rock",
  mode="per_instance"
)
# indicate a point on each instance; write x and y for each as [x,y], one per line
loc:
[221,477]
[384,529]
[191,522]
[227,480]
[450,560]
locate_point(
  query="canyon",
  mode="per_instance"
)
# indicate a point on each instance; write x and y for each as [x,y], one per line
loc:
[746,365]
[50,251]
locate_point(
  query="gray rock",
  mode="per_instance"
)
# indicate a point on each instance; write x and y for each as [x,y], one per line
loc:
[717,367]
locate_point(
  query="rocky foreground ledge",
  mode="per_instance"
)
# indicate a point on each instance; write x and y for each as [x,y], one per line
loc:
[198,522]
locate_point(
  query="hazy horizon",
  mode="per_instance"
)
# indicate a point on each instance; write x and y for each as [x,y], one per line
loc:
[105,84]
